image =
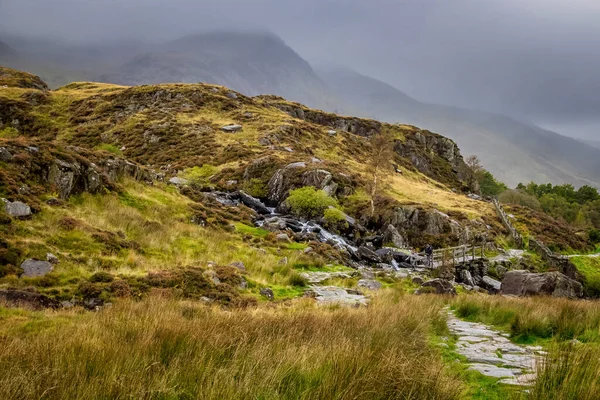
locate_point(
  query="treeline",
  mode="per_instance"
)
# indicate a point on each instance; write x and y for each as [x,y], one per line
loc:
[580,208]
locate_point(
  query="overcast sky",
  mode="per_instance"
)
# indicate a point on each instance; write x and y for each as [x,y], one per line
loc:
[537,60]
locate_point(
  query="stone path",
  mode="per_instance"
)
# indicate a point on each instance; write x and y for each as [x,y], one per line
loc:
[492,354]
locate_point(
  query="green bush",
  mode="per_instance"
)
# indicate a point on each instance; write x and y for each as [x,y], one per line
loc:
[309,202]
[594,236]
[335,218]
[199,174]
[101,276]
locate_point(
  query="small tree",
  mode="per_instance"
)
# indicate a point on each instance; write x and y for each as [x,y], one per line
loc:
[382,153]
[475,171]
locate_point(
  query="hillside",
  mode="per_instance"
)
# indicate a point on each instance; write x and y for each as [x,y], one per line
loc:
[81,159]
[209,231]
[513,151]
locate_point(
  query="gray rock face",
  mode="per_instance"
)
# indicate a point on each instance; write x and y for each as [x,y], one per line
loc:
[5,155]
[254,203]
[33,268]
[523,283]
[232,128]
[392,235]
[441,286]
[369,284]
[70,178]
[17,209]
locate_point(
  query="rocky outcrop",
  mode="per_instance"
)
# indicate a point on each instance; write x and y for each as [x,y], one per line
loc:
[523,283]
[296,175]
[435,156]
[68,171]
[73,177]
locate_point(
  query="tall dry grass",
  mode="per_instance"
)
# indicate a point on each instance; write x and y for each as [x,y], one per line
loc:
[528,319]
[569,372]
[165,349]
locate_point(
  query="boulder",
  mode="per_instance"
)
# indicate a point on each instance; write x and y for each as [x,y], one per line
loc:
[283,237]
[17,209]
[385,254]
[268,293]
[441,286]
[274,224]
[254,203]
[391,235]
[231,128]
[5,155]
[232,95]
[466,278]
[523,283]
[33,268]
[20,298]
[493,286]
[332,132]
[370,284]
[365,253]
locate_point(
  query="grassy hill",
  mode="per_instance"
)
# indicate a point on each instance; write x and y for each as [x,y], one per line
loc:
[194,298]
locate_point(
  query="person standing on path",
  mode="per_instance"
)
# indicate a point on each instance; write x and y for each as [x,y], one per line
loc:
[429,255]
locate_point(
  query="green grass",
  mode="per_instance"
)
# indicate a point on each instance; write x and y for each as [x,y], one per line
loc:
[250,230]
[590,268]
[111,148]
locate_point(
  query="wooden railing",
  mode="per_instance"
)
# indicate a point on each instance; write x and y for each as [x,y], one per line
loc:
[456,255]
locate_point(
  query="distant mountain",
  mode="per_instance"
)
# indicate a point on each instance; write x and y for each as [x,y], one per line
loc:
[54,75]
[513,151]
[250,62]
[593,143]
[6,51]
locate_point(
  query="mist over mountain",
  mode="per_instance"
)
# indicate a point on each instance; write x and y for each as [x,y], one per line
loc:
[514,151]
[259,62]
[253,63]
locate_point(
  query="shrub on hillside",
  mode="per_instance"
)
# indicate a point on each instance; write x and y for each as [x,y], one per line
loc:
[520,198]
[199,174]
[335,219]
[309,202]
